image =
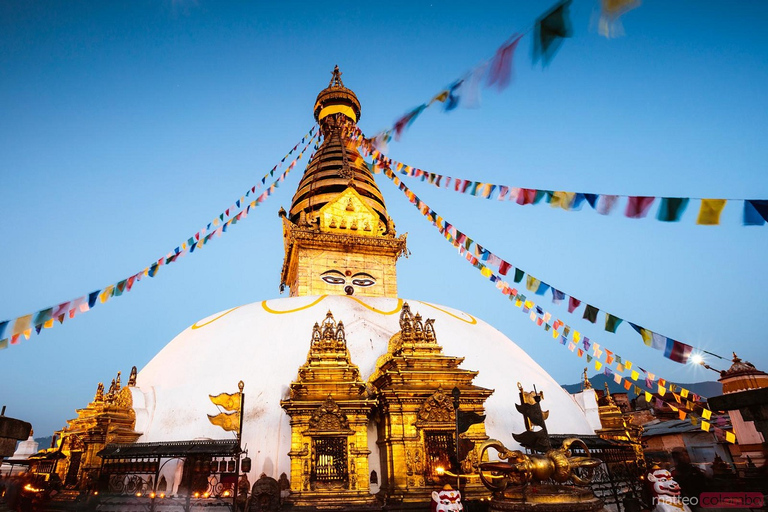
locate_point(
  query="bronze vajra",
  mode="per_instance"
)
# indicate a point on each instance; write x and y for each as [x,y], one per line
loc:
[556,464]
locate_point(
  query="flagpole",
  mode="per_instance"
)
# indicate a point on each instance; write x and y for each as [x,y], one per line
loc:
[240,386]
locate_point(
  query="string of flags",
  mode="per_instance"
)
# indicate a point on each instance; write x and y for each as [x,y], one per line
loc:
[670,209]
[237,204]
[549,31]
[672,349]
[13,330]
[686,403]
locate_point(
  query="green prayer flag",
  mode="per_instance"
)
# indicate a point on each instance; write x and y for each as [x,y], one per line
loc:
[611,322]
[672,208]
[519,274]
[590,313]
[549,32]
[589,358]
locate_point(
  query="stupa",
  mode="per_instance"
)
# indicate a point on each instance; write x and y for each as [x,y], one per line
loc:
[347,385]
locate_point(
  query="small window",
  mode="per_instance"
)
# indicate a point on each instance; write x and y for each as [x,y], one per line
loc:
[439,450]
[330,459]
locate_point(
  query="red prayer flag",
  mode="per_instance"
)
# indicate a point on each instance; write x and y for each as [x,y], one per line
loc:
[573,303]
[504,267]
[638,206]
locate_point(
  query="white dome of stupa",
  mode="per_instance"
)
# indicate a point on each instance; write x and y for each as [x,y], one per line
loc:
[265,343]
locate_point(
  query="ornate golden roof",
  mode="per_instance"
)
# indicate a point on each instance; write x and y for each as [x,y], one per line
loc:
[336,164]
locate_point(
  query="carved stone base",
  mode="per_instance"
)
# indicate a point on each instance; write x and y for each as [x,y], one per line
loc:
[546,498]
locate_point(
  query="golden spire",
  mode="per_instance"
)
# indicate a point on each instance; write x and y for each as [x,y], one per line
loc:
[339,239]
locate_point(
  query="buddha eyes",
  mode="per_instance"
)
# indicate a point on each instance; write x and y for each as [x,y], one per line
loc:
[333,280]
[335,277]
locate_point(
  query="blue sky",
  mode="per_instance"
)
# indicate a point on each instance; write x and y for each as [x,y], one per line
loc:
[125,128]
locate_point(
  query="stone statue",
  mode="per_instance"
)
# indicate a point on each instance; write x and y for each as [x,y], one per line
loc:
[665,492]
[447,500]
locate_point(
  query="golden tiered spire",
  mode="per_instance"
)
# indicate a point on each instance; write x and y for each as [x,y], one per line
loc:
[339,239]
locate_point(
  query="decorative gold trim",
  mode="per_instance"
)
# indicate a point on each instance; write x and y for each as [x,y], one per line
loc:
[337,109]
[196,326]
[276,312]
[397,308]
[473,320]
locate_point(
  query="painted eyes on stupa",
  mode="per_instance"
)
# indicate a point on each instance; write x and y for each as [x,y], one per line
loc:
[331,279]
[337,278]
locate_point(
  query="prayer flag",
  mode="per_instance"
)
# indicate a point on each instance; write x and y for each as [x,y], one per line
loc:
[573,303]
[730,437]
[611,322]
[677,351]
[672,208]
[755,212]
[705,426]
[627,384]
[589,358]
[634,375]
[638,206]
[662,390]
[645,333]
[107,293]
[598,365]
[549,32]
[519,274]
[21,324]
[590,313]
[628,365]
[617,378]
[557,296]
[606,203]
[648,397]
[706,414]
[500,72]
[709,213]
[42,316]
[609,24]
[684,393]
[504,268]
[3,325]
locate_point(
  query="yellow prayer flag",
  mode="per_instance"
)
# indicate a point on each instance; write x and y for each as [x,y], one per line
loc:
[684,393]
[675,409]
[555,334]
[518,303]
[634,375]
[528,304]
[598,365]
[27,333]
[730,437]
[709,214]
[48,324]
[647,337]
[662,390]
[705,426]
[441,97]
[230,402]
[628,365]
[576,336]
[487,272]
[107,293]
[706,414]
[227,421]
[21,324]
[648,397]
[532,283]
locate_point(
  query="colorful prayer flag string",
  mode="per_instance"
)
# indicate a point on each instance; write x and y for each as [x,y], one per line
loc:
[44,319]
[670,209]
[542,318]
[497,72]
[672,349]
